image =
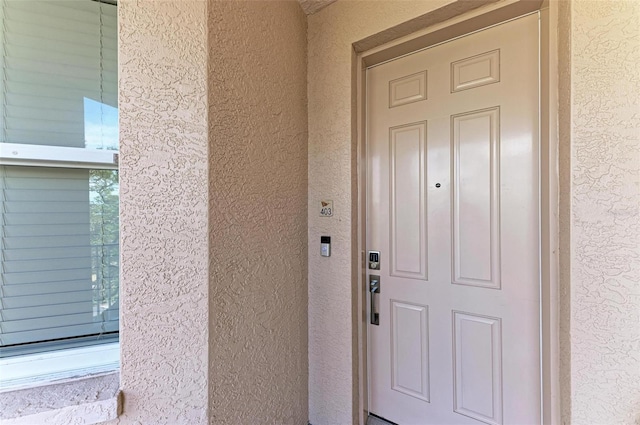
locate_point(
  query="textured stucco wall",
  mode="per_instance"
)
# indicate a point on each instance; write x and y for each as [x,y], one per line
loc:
[214,185]
[332,175]
[258,213]
[164,195]
[605,212]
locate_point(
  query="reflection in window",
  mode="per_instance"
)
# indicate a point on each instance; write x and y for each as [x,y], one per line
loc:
[100,125]
[105,251]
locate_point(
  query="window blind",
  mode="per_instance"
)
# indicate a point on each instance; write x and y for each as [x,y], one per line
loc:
[57,261]
[59,64]
[58,226]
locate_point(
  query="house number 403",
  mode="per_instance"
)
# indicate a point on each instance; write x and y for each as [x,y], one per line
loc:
[326,208]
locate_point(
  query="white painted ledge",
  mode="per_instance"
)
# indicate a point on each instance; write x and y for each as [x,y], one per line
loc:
[57,156]
[32,370]
[82,401]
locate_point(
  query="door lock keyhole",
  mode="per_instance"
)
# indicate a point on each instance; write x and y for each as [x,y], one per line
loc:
[437,184]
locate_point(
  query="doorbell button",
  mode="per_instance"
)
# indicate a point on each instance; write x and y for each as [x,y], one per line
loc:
[325,246]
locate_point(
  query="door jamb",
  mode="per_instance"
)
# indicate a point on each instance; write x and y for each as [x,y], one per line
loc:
[549,180]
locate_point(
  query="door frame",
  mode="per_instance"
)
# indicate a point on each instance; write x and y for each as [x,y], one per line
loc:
[407,41]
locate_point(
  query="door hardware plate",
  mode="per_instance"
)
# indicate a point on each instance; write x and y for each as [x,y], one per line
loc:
[374,260]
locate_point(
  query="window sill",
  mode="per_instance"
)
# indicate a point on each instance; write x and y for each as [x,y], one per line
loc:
[31,370]
[87,400]
[70,386]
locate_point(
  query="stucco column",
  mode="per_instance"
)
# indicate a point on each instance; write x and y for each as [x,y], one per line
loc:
[164,195]
[257,212]
[213,120]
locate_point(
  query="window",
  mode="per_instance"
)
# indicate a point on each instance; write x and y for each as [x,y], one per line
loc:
[59,261]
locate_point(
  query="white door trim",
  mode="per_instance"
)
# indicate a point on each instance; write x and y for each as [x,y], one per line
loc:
[455,27]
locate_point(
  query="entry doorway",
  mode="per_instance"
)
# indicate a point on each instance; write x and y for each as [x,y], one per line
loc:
[453,231]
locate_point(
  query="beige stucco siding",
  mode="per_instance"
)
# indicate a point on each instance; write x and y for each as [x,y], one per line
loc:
[257,210]
[163,186]
[605,212]
[213,124]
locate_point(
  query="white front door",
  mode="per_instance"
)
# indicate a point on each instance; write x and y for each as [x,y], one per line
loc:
[453,209]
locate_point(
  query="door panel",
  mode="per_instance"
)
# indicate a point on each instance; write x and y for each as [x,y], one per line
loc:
[410,349]
[475,71]
[408,201]
[476,198]
[411,88]
[478,366]
[452,207]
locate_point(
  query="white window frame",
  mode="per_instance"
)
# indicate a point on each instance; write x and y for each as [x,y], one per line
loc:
[29,370]
[57,156]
